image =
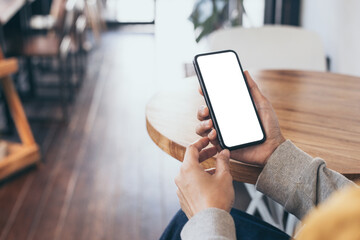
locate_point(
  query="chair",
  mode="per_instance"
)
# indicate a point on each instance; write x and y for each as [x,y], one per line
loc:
[27,153]
[51,21]
[54,22]
[60,46]
[271,47]
[93,10]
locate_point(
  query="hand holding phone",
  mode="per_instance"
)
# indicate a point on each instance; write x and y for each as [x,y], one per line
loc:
[227,95]
[256,154]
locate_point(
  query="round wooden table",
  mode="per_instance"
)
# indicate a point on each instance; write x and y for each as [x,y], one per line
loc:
[319,112]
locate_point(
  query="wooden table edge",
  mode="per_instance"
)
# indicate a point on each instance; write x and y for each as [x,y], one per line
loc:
[241,172]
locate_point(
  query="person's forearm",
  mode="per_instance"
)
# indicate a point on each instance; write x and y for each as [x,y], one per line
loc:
[296,180]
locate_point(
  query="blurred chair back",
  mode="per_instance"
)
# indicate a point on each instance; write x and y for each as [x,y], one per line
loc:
[272,47]
[57,7]
[69,19]
[57,12]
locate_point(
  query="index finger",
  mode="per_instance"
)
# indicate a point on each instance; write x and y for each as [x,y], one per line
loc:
[192,151]
[222,162]
[203,113]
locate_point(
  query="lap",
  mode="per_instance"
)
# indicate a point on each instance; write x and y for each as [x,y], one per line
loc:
[247,227]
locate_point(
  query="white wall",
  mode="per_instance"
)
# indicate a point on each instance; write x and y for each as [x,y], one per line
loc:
[255,13]
[338,24]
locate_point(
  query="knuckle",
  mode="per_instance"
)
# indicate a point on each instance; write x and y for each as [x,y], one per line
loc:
[205,124]
[191,147]
[200,109]
[184,168]
[198,129]
[254,88]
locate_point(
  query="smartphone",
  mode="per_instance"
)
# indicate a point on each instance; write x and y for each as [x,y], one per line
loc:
[229,100]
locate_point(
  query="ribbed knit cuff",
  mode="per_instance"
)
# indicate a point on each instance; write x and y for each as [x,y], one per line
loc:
[211,223]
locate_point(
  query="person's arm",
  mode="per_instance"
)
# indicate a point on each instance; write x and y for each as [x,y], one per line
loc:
[206,198]
[214,221]
[297,181]
[290,176]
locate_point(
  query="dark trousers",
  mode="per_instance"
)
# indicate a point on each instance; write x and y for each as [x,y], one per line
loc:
[247,227]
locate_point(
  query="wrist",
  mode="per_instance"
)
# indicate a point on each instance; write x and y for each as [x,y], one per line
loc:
[221,202]
[224,207]
[274,145]
[280,141]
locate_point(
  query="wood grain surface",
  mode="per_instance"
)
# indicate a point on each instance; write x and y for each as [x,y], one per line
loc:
[101,176]
[318,111]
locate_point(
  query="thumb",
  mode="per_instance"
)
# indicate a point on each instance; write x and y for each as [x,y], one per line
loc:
[222,162]
[254,89]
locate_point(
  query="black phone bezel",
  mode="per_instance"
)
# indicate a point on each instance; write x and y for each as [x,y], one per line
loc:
[208,102]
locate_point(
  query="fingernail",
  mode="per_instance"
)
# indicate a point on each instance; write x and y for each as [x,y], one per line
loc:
[226,152]
[208,123]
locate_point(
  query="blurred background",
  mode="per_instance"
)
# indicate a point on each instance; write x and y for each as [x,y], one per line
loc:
[76,161]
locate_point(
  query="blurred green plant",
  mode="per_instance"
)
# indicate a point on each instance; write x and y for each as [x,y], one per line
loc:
[210,15]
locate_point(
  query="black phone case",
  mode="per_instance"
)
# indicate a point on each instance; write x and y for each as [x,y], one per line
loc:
[208,103]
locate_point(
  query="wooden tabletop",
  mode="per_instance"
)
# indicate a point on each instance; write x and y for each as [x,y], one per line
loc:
[8,8]
[319,112]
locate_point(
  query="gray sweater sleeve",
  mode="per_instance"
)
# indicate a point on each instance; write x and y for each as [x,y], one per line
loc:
[211,223]
[296,180]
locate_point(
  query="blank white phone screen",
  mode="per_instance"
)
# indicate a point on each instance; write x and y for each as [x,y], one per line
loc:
[230,99]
